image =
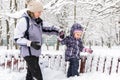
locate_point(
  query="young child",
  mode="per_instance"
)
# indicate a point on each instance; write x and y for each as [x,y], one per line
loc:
[74,47]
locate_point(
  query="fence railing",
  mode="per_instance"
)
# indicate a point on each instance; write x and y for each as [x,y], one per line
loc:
[46,61]
[104,64]
[91,63]
[12,62]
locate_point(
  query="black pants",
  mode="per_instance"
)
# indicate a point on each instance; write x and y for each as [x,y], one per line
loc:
[73,67]
[33,69]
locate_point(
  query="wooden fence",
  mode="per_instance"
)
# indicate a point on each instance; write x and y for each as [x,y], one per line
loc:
[103,64]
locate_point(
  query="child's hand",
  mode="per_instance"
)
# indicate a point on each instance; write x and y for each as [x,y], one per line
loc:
[88,50]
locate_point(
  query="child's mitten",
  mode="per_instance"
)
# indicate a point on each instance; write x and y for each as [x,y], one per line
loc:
[88,50]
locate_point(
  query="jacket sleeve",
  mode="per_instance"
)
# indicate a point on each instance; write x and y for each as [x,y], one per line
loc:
[81,47]
[20,31]
[65,41]
[49,30]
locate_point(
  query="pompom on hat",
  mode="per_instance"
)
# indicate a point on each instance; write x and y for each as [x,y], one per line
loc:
[35,6]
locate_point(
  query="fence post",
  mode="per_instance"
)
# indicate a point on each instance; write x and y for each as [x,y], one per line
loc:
[98,63]
[12,62]
[18,65]
[104,64]
[6,62]
[117,65]
[83,62]
[91,63]
[111,66]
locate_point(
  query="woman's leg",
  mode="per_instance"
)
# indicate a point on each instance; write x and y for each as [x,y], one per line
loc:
[34,68]
[29,75]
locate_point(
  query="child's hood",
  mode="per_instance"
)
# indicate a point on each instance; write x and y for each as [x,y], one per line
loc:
[75,26]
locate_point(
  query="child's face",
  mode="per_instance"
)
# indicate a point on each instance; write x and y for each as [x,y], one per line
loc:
[78,35]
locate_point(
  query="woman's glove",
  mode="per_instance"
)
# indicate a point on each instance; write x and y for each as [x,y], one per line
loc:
[62,34]
[35,45]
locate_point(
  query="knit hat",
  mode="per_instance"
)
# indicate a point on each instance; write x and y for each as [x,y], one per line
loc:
[76,27]
[77,30]
[35,6]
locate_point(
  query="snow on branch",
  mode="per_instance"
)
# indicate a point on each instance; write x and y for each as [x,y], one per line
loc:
[113,5]
[58,4]
[17,14]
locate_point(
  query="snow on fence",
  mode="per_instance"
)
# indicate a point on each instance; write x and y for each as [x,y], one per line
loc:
[12,62]
[90,63]
[104,64]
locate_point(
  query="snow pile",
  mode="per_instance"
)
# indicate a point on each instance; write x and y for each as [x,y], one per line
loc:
[49,74]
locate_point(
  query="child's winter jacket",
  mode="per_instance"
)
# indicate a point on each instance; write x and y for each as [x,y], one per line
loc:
[74,46]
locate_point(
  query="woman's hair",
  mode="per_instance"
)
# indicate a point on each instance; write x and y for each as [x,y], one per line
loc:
[31,14]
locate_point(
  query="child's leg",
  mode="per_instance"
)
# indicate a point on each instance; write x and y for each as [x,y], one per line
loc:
[69,73]
[66,67]
[74,67]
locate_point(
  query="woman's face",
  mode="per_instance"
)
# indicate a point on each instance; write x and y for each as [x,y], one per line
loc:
[37,14]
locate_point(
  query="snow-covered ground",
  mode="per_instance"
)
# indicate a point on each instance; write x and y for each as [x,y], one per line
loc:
[51,74]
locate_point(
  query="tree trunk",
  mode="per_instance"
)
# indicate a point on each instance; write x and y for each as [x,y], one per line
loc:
[75,11]
[10,4]
[47,46]
[16,8]
[57,46]
[0,33]
[102,42]
[119,38]
[8,36]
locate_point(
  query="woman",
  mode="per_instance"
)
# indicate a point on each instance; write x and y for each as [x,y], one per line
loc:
[28,34]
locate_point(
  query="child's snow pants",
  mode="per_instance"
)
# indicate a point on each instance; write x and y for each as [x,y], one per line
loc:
[73,67]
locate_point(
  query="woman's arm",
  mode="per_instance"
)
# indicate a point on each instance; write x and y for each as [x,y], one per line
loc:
[19,32]
[49,30]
